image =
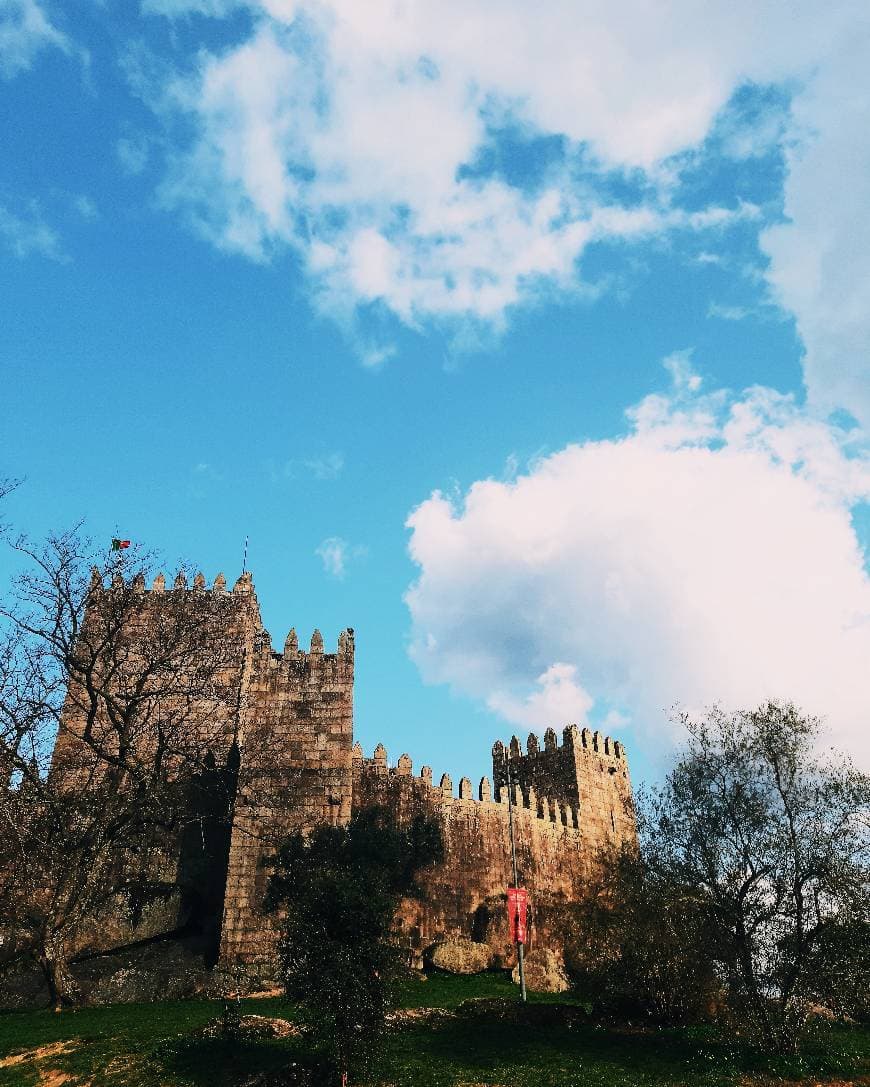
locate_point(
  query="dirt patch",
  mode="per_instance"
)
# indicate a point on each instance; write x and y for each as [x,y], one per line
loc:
[413,1017]
[55,1078]
[754,1081]
[29,1056]
[252,1026]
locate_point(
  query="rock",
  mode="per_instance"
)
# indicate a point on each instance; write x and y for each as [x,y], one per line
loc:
[114,928]
[410,1018]
[545,972]
[252,1026]
[162,970]
[459,955]
[293,1075]
[170,969]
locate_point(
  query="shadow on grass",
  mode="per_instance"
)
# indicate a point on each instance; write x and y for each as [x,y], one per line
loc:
[541,1055]
[214,1062]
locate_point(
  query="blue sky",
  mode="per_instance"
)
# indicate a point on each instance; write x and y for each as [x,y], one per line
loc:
[535,349]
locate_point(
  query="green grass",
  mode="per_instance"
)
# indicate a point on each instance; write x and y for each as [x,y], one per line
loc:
[156,1045]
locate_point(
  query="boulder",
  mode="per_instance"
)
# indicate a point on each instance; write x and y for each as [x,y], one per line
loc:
[545,972]
[250,1026]
[459,955]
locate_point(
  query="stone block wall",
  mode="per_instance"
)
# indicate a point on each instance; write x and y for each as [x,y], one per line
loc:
[196,628]
[557,841]
[284,735]
[295,773]
[587,772]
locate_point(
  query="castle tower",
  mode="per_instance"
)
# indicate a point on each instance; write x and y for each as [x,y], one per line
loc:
[277,732]
[587,772]
[295,739]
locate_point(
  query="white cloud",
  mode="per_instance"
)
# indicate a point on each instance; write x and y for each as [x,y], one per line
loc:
[336,554]
[820,257]
[679,365]
[708,555]
[357,134]
[333,554]
[352,132]
[24,31]
[557,697]
[29,233]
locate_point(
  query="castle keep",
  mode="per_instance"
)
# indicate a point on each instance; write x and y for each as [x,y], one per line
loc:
[287,736]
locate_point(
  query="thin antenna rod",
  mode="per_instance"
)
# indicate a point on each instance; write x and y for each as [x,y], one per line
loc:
[520,948]
[245,557]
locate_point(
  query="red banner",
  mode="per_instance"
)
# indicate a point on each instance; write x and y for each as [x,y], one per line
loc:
[518,898]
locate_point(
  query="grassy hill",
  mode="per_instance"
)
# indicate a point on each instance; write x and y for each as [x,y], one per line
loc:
[483,1040]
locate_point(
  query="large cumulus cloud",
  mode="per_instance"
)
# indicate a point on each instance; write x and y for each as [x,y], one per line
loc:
[708,555]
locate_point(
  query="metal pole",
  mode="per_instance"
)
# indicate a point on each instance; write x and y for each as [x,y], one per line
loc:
[514,864]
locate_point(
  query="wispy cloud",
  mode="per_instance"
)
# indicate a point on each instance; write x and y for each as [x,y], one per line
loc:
[204,470]
[327,466]
[28,233]
[336,554]
[25,31]
[86,207]
[729,313]
[133,153]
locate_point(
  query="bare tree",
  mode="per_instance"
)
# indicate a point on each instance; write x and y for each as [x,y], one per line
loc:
[114,704]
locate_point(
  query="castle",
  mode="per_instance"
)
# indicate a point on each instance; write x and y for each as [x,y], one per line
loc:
[571,793]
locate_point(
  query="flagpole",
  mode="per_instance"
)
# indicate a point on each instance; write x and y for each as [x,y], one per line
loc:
[516,883]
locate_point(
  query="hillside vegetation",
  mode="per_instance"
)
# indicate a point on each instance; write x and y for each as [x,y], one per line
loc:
[480,1038]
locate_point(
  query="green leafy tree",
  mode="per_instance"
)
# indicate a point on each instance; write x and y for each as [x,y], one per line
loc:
[338,890]
[755,861]
[638,947]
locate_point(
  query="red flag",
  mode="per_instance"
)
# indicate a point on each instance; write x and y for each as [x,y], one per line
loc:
[119,545]
[518,898]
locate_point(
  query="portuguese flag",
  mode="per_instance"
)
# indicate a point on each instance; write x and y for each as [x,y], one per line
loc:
[119,545]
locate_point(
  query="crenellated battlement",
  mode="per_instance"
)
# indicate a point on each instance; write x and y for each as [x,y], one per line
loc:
[292,664]
[526,802]
[243,586]
[573,739]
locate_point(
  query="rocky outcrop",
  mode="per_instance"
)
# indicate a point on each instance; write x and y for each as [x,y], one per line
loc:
[459,955]
[545,972]
[171,969]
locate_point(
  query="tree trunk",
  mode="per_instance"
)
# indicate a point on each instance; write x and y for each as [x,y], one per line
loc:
[53,961]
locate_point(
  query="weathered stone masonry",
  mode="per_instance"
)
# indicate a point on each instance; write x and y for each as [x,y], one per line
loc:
[292,733]
[569,800]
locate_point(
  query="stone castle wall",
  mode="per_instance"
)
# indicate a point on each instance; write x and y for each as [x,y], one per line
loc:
[286,735]
[295,772]
[557,838]
[172,623]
